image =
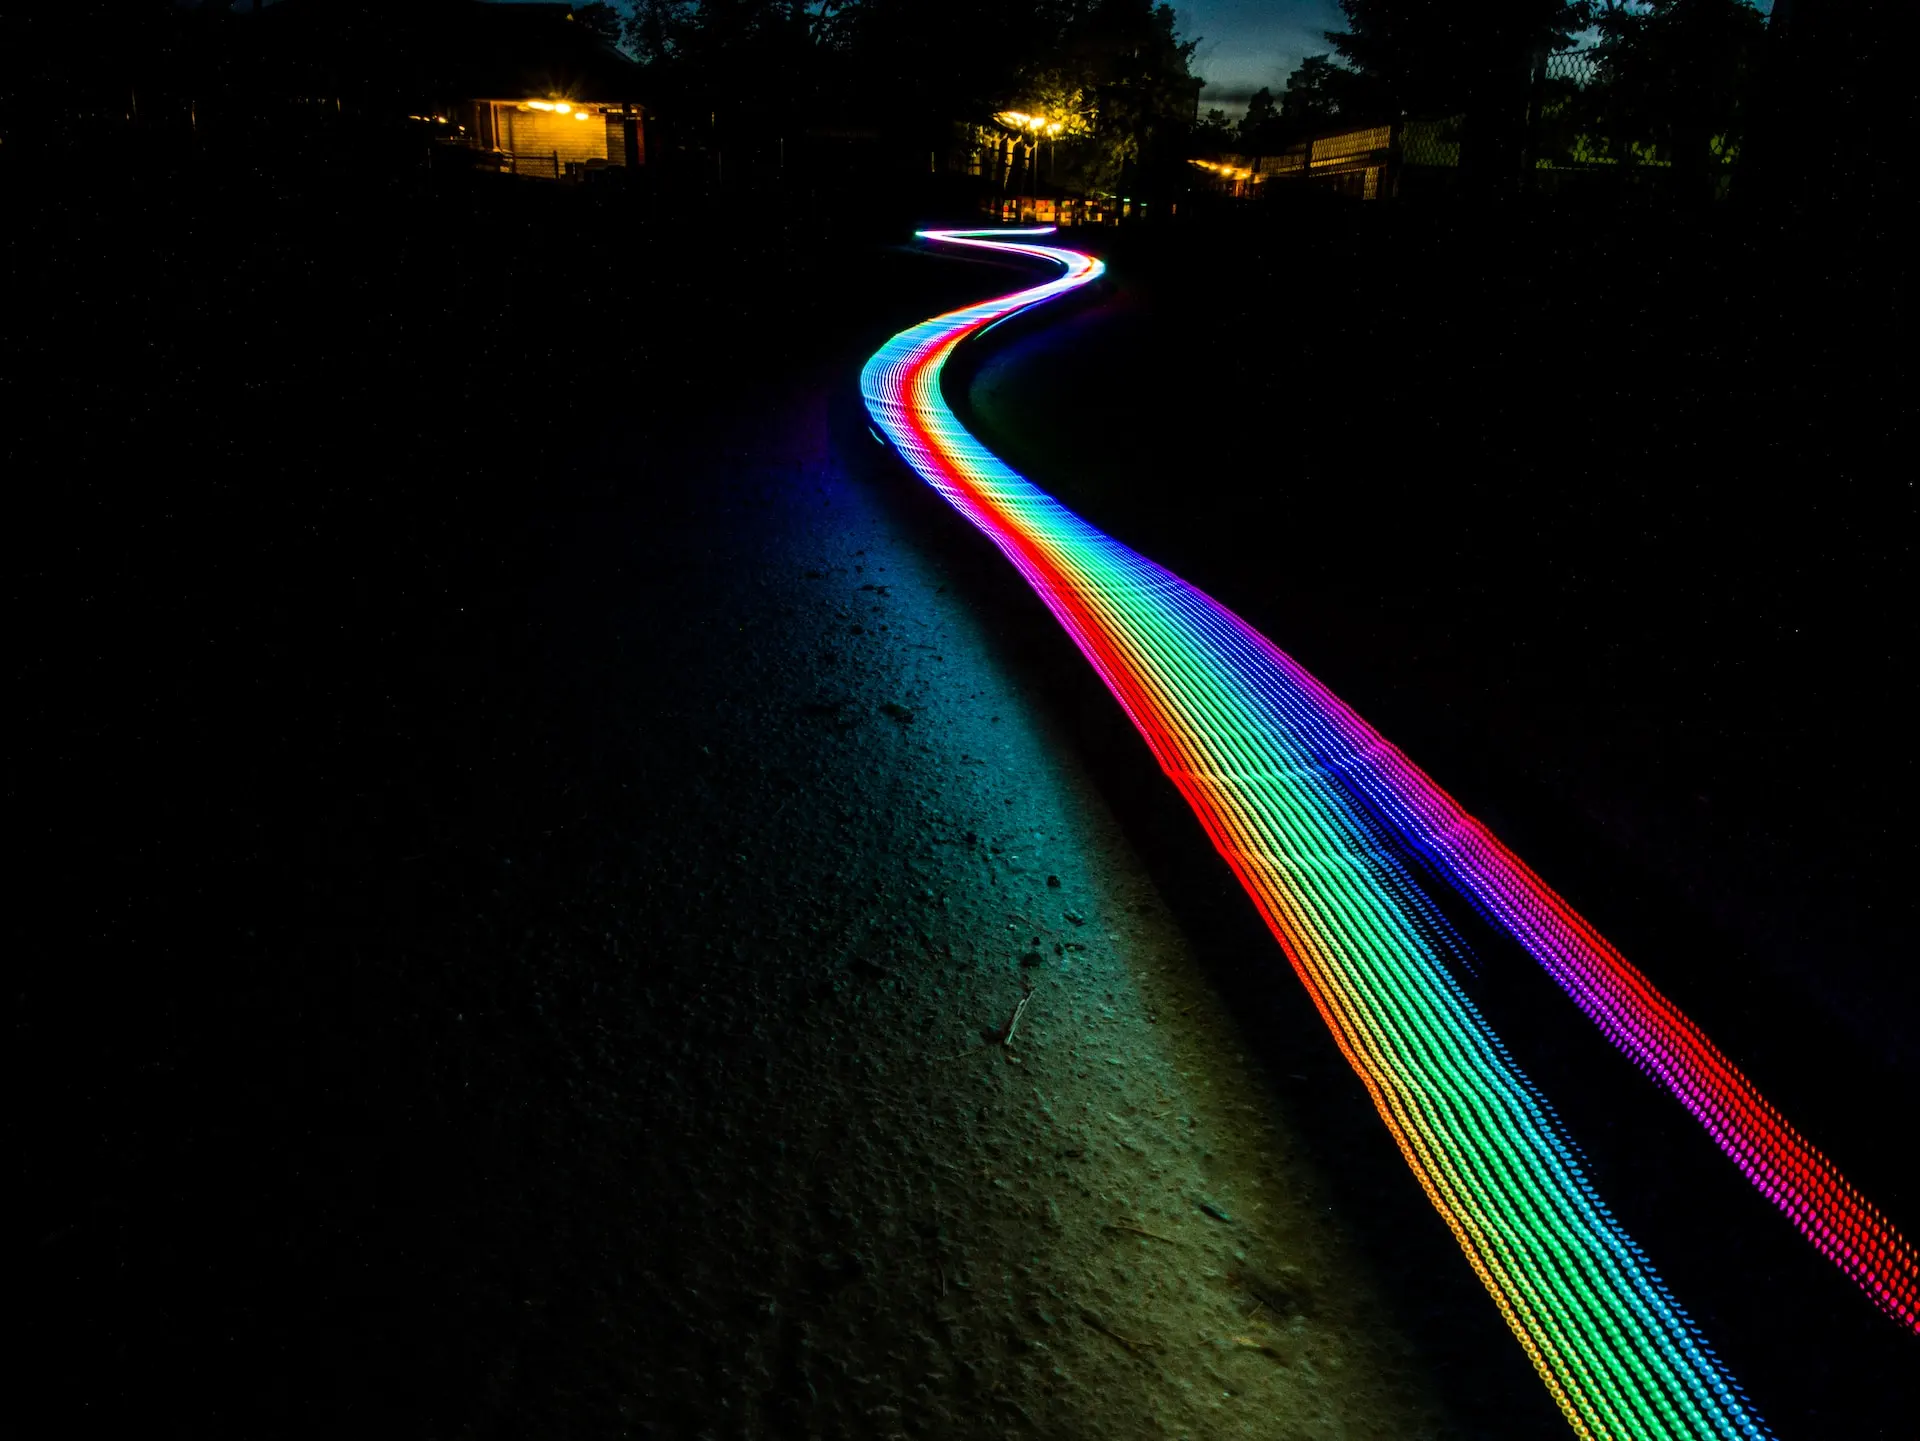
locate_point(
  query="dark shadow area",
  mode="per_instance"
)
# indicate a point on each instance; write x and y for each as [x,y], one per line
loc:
[1612,560]
[1538,499]
[1487,1382]
[311,471]
[393,548]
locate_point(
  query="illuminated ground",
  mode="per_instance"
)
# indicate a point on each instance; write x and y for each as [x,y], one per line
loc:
[1576,621]
[546,889]
[882,1223]
[512,915]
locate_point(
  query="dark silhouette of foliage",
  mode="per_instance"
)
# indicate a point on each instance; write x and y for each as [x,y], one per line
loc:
[1672,81]
[1112,75]
[1314,91]
[1437,56]
[1445,57]
[1260,129]
[656,29]
[1215,133]
[603,20]
[1832,112]
[741,75]
[1128,59]
[87,57]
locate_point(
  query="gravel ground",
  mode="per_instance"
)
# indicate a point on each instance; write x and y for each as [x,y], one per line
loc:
[526,904]
[887,1214]
[526,890]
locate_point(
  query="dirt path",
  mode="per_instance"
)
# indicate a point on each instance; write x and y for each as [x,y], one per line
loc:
[526,912]
[510,912]
[860,1205]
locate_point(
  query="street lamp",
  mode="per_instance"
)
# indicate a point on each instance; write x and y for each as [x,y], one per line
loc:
[1035,124]
[1031,130]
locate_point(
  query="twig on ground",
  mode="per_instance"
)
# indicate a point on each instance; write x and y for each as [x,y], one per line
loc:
[1105,1330]
[1248,1343]
[1013,1021]
[1040,926]
[961,1055]
[995,1039]
[1140,1231]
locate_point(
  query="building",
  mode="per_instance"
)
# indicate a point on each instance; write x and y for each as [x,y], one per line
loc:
[544,96]
[524,87]
[1362,162]
[552,139]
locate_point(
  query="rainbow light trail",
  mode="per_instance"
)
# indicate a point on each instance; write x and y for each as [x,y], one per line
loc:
[1310,807]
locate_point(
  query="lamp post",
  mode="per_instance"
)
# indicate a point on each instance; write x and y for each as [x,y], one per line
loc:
[1039,125]
[1031,130]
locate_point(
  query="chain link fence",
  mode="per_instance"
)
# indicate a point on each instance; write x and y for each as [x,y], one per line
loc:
[1590,133]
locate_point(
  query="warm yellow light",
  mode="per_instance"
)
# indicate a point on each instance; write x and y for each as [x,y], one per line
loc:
[541,105]
[1021,120]
[564,108]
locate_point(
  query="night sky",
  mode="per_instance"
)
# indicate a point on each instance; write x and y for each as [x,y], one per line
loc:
[1245,44]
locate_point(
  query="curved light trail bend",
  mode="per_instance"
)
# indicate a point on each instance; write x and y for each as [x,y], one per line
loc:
[1322,820]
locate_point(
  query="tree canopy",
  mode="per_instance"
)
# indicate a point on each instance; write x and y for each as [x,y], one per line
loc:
[1111,77]
[602,19]
[1672,69]
[1441,56]
[1671,86]
[1314,90]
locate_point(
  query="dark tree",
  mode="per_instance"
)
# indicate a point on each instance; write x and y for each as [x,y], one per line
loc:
[1446,57]
[1260,128]
[603,20]
[741,76]
[1111,77]
[1834,68]
[931,64]
[1674,76]
[656,30]
[1215,134]
[1143,93]
[1313,93]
